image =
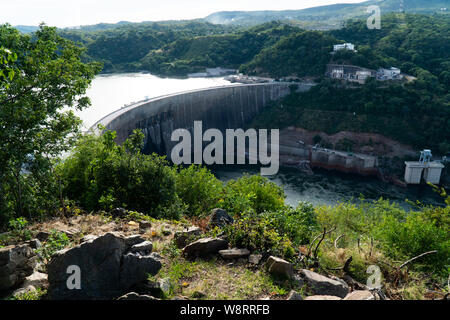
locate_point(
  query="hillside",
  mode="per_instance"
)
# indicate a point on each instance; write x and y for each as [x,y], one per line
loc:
[120,46]
[330,16]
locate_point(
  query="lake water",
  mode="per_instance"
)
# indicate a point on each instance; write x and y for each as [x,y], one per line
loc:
[110,92]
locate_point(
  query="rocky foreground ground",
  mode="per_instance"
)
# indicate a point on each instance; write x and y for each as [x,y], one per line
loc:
[156,260]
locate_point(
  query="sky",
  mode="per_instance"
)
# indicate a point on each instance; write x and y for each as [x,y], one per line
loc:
[71,13]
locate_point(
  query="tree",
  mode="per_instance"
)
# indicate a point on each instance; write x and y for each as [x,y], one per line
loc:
[46,80]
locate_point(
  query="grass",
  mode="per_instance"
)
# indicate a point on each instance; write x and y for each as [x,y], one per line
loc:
[216,279]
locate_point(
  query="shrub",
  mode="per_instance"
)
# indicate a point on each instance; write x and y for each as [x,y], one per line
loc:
[198,188]
[256,233]
[418,234]
[103,175]
[55,242]
[297,224]
[18,230]
[252,193]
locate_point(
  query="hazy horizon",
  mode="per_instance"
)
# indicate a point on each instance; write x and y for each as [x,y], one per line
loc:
[64,14]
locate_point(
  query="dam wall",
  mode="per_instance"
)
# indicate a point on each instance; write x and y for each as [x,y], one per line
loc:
[227,107]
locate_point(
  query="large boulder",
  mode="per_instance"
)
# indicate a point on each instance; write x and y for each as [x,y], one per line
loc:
[205,247]
[280,267]
[321,285]
[219,218]
[107,269]
[16,263]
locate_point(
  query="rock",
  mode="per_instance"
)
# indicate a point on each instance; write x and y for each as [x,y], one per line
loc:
[37,280]
[16,263]
[21,291]
[280,267]
[360,295]
[234,253]
[135,268]
[219,218]
[322,297]
[145,247]
[34,243]
[294,296]
[205,247]
[107,270]
[182,237]
[165,285]
[159,288]
[89,237]
[322,285]
[133,240]
[135,296]
[144,225]
[255,259]
[42,236]
[119,213]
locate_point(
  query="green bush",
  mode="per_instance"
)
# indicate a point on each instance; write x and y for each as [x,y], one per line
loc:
[18,230]
[252,193]
[257,233]
[102,175]
[198,188]
[401,234]
[297,224]
[418,234]
[55,242]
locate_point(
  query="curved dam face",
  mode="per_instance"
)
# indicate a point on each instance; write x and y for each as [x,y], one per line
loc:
[229,107]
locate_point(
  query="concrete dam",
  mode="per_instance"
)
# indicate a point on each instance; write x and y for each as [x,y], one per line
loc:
[227,107]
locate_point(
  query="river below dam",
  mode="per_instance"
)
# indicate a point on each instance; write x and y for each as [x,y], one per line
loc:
[112,91]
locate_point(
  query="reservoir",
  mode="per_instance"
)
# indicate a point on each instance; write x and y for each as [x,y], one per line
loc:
[112,91]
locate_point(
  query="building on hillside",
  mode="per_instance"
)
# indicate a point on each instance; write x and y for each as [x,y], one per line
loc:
[391,73]
[349,72]
[344,46]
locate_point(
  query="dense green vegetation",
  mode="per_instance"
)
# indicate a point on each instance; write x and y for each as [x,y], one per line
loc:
[39,77]
[121,48]
[408,113]
[227,50]
[415,113]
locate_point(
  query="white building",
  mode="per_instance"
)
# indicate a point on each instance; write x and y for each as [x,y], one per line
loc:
[344,46]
